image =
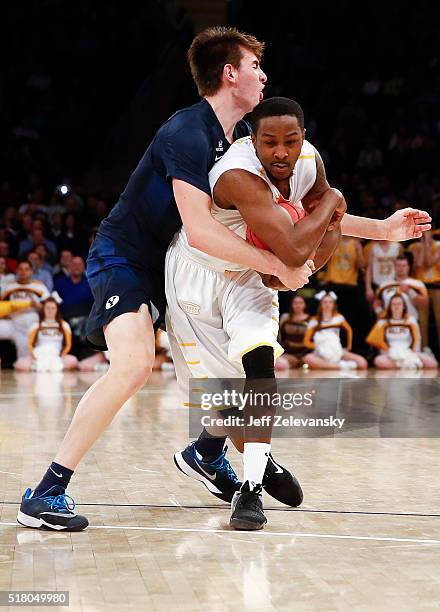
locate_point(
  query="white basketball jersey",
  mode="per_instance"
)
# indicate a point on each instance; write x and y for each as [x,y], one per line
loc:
[241,155]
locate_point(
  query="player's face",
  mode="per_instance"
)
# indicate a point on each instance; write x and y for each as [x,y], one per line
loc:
[278,143]
[250,80]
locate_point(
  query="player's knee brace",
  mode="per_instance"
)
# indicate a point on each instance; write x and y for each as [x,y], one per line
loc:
[259,363]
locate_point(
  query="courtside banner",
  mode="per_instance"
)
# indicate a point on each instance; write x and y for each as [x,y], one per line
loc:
[404,407]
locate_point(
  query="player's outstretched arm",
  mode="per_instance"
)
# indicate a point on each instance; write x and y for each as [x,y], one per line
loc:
[211,237]
[404,224]
[292,243]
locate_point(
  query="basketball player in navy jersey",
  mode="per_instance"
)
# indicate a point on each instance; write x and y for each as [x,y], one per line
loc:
[126,262]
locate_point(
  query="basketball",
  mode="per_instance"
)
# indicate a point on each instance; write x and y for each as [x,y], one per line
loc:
[296,212]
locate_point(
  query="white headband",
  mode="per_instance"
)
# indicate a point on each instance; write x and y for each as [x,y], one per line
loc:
[323,293]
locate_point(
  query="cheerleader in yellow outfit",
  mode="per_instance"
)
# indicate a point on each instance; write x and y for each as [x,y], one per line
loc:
[50,341]
[323,335]
[396,336]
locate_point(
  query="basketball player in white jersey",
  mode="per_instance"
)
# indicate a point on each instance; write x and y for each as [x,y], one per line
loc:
[222,320]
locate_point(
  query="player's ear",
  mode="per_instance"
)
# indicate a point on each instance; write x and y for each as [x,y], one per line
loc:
[254,138]
[229,72]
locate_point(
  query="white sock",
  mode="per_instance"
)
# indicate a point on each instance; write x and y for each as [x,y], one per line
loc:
[255,457]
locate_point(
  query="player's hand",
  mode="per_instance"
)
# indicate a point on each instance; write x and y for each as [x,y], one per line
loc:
[340,211]
[273,282]
[295,278]
[406,224]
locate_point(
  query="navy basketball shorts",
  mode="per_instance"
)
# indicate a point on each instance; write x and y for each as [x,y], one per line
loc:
[119,289]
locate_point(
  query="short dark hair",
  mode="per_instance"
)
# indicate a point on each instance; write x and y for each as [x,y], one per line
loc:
[212,49]
[276,107]
[24,261]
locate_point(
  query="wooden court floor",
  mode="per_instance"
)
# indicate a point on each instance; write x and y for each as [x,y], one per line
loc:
[367,536]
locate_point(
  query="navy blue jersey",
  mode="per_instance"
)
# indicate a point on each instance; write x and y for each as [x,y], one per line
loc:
[141,226]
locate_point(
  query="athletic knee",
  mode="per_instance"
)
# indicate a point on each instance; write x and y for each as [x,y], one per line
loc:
[132,374]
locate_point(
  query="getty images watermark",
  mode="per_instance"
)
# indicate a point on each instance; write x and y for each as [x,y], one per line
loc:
[401,407]
[241,402]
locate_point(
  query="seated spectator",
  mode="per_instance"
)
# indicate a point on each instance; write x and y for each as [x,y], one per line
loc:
[74,290]
[293,327]
[380,265]
[323,335]
[11,264]
[42,251]
[77,299]
[23,288]
[49,341]
[37,237]
[396,336]
[38,271]
[62,269]
[70,238]
[5,276]
[426,253]
[413,291]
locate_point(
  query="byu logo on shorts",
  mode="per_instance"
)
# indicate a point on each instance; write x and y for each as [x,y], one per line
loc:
[112,301]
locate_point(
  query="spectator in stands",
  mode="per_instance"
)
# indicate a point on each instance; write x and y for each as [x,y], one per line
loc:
[77,299]
[293,326]
[413,291]
[49,341]
[323,336]
[38,271]
[5,276]
[42,251]
[62,269]
[74,290]
[380,265]
[426,254]
[37,238]
[70,238]
[397,337]
[11,264]
[342,277]
[16,328]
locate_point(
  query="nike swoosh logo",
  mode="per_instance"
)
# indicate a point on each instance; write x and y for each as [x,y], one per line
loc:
[59,475]
[210,476]
[218,157]
[278,469]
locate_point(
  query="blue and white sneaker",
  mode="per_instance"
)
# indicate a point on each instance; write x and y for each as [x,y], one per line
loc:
[53,510]
[218,476]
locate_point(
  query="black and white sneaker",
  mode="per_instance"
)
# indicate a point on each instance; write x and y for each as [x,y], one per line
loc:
[281,484]
[247,508]
[218,476]
[53,510]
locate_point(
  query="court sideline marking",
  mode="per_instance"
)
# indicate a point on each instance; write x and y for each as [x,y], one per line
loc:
[262,533]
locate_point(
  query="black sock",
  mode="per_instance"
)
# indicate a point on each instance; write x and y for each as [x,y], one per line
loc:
[209,446]
[56,475]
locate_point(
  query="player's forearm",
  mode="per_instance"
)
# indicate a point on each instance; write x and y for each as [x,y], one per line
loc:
[327,248]
[308,233]
[363,227]
[217,240]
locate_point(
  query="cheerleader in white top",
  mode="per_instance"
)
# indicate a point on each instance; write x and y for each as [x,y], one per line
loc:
[397,336]
[50,341]
[323,335]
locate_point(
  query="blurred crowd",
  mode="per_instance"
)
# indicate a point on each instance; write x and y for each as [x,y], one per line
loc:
[375,304]
[78,97]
